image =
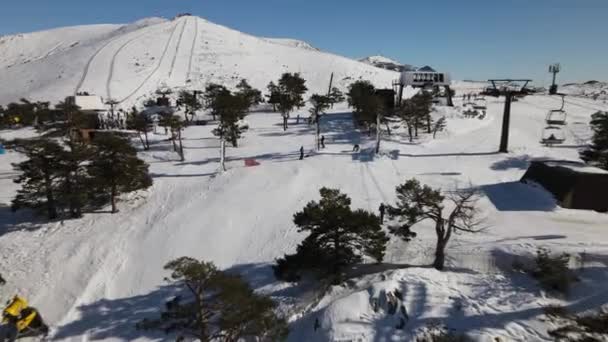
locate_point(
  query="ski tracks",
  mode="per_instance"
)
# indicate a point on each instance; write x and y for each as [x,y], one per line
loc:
[179,43]
[161,59]
[192,49]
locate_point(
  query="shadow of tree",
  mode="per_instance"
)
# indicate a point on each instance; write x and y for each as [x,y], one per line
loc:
[517,196]
[23,219]
[116,318]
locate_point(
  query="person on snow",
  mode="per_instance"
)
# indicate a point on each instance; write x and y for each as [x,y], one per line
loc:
[322,141]
[19,320]
[301,152]
[381,209]
[356,148]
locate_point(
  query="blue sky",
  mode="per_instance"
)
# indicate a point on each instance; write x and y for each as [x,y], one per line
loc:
[472,39]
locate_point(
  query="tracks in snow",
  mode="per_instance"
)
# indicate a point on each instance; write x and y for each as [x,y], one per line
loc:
[179,43]
[155,69]
[192,49]
[87,67]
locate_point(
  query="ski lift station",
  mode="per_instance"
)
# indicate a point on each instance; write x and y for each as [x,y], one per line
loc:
[425,77]
[88,104]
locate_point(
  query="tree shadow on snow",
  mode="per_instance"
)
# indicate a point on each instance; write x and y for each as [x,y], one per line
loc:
[518,162]
[20,220]
[116,318]
[517,196]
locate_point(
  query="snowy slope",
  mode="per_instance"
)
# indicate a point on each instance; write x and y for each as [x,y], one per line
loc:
[131,61]
[385,63]
[94,278]
[592,89]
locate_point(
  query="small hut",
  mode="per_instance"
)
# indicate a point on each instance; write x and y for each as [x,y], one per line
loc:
[574,185]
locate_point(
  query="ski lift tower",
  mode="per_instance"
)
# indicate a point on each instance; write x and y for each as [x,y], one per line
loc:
[509,89]
[554,69]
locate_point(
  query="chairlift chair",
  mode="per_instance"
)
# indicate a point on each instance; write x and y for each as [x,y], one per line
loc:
[556,117]
[553,135]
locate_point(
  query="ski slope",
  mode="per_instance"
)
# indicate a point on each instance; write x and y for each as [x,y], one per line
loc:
[94,278]
[129,62]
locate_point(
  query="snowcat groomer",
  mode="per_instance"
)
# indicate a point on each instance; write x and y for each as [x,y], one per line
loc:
[20,320]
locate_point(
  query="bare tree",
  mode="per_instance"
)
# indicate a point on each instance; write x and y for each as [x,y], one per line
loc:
[416,203]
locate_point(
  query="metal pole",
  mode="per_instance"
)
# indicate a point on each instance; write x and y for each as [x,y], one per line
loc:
[504,139]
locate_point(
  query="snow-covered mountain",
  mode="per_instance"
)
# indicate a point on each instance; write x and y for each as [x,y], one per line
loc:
[386,63]
[593,89]
[128,62]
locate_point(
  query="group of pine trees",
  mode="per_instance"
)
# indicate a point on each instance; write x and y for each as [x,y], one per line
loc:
[64,178]
[26,113]
[340,237]
[217,306]
[287,95]
[371,113]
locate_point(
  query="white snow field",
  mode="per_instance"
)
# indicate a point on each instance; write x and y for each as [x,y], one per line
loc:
[94,278]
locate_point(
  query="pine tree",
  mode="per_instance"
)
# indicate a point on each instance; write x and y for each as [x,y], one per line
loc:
[319,104]
[39,176]
[416,203]
[74,179]
[291,88]
[115,168]
[597,153]
[223,307]
[191,102]
[211,93]
[273,95]
[335,96]
[253,96]
[140,123]
[339,237]
[368,107]
[230,109]
[424,101]
[175,125]
[439,126]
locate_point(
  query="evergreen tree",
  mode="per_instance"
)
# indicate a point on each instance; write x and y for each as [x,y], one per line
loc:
[319,104]
[416,203]
[212,91]
[191,102]
[291,88]
[223,307]
[339,237]
[253,96]
[231,109]
[335,96]
[412,112]
[597,153]
[439,126]
[424,101]
[142,124]
[39,176]
[368,107]
[175,125]
[273,95]
[74,179]
[115,168]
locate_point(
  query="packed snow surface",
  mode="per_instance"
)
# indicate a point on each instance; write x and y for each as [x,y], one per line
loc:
[95,277]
